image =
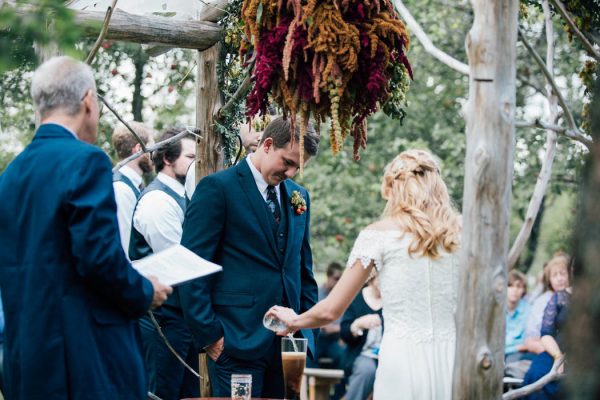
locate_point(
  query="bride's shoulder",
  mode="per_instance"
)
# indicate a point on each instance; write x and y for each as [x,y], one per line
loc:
[383,227]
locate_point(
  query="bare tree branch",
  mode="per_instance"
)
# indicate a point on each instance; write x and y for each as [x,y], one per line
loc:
[155,147]
[135,135]
[416,29]
[213,10]
[239,93]
[103,32]
[586,43]
[546,171]
[578,136]
[537,385]
[527,82]
[568,115]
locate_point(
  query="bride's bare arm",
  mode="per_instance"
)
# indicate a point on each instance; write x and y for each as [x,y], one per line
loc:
[330,308]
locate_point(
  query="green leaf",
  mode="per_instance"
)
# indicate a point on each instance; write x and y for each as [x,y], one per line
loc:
[165,14]
[309,20]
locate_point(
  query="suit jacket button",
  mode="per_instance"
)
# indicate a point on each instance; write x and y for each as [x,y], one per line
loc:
[281,235]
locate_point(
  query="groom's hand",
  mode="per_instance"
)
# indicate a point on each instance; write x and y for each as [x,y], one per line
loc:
[214,350]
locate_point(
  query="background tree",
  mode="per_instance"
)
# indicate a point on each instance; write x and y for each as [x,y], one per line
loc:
[583,325]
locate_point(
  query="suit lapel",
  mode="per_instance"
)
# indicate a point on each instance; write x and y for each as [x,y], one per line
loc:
[256,203]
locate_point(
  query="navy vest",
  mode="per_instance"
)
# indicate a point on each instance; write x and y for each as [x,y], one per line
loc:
[138,246]
[119,177]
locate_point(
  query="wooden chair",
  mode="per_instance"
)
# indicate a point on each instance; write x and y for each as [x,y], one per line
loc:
[319,382]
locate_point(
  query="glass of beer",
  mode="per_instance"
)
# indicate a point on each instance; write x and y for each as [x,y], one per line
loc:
[293,359]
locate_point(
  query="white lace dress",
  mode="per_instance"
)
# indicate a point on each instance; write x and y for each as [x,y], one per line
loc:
[419,302]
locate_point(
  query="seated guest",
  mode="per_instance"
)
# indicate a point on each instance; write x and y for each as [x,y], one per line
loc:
[554,319]
[362,330]
[328,345]
[517,311]
[556,278]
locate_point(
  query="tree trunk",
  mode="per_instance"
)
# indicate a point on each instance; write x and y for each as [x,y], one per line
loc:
[489,115]
[209,150]
[583,325]
[140,58]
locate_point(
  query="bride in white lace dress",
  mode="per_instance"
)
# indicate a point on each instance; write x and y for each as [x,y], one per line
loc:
[413,248]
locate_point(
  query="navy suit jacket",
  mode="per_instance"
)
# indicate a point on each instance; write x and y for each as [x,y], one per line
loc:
[227,222]
[70,296]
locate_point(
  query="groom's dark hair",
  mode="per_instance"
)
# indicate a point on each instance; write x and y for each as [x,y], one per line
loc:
[279,130]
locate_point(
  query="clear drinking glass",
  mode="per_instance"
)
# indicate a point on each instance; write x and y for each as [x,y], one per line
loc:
[241,386]
[273,324]
[293,360]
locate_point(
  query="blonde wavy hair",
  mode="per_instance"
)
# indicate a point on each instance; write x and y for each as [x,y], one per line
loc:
[418,200]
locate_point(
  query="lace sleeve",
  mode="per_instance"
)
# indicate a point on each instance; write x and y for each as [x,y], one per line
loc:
[367,248]
[549,319]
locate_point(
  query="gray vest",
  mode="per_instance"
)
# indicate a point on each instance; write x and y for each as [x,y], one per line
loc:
[119,177]
[138,246]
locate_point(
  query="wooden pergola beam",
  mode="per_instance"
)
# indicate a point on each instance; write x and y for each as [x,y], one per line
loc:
[199,35]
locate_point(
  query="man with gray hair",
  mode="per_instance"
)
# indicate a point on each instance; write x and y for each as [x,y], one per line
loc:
[71,299]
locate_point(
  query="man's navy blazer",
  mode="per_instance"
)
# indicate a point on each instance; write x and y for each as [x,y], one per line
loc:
[70,296]
[227,222]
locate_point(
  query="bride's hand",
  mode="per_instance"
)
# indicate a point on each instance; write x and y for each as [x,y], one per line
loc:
[285,315]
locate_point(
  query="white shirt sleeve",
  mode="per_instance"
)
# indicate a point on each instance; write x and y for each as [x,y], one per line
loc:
[125,199]
[159,219]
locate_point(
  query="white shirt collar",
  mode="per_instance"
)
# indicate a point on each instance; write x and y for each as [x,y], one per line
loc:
[172,183]
[261,184]
[133,176]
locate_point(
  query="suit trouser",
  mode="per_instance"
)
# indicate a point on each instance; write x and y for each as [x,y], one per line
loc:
[361,381]
[266,371]
[167,377]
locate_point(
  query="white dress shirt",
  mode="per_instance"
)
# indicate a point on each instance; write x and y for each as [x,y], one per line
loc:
[158,217]
[261,184]
[190,181]
[126,199]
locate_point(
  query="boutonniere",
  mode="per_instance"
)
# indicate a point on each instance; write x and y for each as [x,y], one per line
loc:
[298,202]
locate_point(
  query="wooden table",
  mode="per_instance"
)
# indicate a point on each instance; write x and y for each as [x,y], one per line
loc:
[318,381]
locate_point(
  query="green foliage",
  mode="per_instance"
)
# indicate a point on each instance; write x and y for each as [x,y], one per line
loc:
[345,195]
[45,22]
[231,74]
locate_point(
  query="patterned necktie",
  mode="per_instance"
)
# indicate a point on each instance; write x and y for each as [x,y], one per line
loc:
[273,203]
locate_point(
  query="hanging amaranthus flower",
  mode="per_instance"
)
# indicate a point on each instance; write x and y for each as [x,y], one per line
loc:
[337,59]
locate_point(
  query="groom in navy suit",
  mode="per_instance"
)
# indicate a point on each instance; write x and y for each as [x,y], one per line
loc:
[71,298]
[254,221]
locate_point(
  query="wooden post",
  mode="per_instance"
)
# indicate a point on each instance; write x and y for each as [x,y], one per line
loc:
[489,115]
[209,150]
